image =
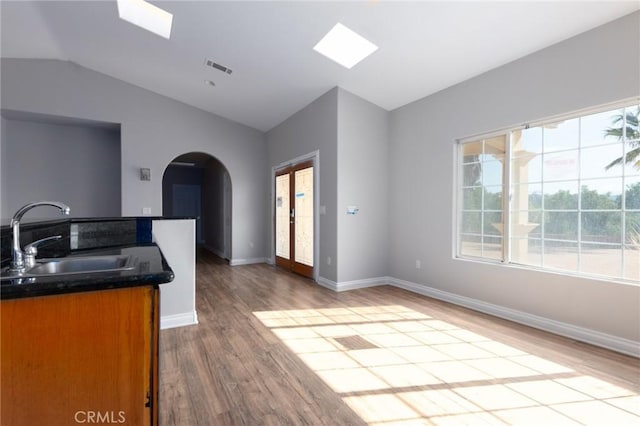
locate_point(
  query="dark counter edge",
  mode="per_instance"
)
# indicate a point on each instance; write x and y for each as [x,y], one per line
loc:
[46,222]
[64,284]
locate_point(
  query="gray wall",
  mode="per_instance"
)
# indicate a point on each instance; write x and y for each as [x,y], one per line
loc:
[363,175]
[155,130]
[600,66]
[312,128]
[77,165]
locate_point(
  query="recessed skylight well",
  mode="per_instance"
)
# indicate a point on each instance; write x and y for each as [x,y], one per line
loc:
[345,46]
[147,16]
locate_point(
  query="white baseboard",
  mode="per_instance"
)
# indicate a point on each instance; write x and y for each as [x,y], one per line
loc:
[178,320]
[237,262]
[597,338]
[324,282]
[352,285]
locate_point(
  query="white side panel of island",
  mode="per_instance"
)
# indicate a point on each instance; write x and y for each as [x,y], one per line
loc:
[176,239]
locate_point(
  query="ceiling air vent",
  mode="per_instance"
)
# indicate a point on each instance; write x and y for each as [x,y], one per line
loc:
[210,63]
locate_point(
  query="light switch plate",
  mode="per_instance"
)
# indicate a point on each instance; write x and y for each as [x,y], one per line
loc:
[145,174]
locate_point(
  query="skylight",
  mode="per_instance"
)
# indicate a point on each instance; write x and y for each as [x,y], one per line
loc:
[147,16]
[345,46]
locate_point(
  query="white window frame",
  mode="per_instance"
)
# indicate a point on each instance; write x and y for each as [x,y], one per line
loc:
[507,194]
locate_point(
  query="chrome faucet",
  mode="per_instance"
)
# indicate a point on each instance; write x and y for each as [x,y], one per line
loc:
[23,259]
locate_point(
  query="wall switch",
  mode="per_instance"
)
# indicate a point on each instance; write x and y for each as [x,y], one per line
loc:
[418,264]
[328,260]
[146,210]
[250,244]
[145,174]
[323,210]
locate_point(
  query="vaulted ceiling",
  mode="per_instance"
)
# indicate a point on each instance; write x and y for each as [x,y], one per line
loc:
[424,47]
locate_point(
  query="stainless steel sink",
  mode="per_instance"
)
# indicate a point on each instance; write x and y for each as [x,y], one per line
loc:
[77,265]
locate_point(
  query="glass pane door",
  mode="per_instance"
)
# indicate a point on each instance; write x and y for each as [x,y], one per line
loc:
[303,180]
[294,216]
[282,216]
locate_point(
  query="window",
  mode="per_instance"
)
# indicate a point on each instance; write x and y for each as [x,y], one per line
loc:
[560,195]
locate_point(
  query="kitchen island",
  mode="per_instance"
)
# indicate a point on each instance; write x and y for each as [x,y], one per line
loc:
[83,347]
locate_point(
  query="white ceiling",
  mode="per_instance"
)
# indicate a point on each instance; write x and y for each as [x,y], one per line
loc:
[424,47]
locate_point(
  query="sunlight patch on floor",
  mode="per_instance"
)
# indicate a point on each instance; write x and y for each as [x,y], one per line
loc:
[395,366]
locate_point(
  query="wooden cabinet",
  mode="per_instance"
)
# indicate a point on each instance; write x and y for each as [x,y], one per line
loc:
[89,357]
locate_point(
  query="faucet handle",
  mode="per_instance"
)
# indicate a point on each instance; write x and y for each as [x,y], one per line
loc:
[31,250]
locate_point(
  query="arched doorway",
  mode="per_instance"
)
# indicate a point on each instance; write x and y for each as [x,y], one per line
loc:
[198,185]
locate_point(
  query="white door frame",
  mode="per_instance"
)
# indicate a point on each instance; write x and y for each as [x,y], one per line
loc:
[315,158]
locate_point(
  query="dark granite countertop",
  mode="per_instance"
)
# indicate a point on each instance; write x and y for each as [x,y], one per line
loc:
[150,268]
[109,219]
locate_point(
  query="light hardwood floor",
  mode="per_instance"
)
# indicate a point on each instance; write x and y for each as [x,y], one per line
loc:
[273,348]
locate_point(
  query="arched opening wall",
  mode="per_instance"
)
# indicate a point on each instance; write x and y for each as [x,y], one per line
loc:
[198,185]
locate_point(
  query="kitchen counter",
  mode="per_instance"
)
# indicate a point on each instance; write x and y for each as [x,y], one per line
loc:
[150,268]
[79,343]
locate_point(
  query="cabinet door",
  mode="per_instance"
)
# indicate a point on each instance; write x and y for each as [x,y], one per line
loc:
[79,358]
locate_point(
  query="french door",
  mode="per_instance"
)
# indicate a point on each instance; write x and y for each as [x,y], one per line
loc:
[294,218]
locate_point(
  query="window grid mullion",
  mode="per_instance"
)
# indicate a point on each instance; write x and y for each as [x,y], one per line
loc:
[543,214]
[579,194]
[460,199]
[623,199]
[506,201]
[482,200]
